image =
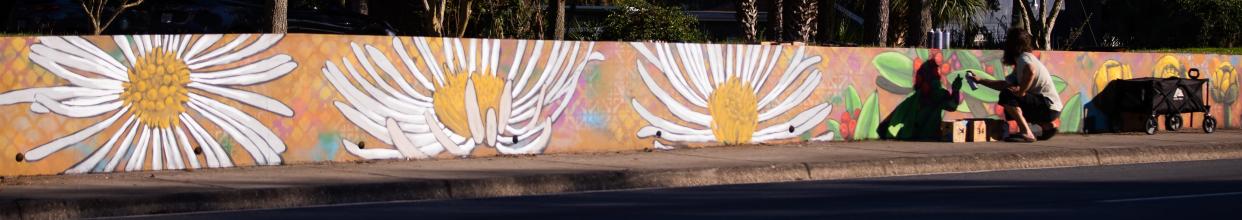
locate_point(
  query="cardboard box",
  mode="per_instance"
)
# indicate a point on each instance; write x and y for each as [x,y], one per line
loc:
[978,130]
[953,131]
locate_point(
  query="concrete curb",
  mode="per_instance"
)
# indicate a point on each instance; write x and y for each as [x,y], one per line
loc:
[269,198]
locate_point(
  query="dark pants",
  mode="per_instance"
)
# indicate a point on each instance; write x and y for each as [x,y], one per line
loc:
[1035,107]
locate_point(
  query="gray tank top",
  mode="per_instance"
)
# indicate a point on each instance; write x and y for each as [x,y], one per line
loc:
[1042,82]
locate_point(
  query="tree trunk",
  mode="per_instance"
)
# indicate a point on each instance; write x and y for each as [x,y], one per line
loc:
[1038,24]
[827,24]
[877,24]
[558,20]
[776,21]
[919,21]
[280,16]
[748,16]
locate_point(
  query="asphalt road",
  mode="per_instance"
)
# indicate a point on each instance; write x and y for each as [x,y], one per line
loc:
[1182,190]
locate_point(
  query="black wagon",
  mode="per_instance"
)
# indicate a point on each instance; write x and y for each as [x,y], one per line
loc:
[1157,96]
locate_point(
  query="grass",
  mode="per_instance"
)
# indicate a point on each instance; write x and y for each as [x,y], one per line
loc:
[1211,50]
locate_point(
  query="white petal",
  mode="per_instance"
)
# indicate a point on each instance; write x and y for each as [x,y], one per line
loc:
[184,141]
[92,161]
[88,55]
[173,152]
[391,70]
[535,146]
[472,112]
[490,128]
[254,144]
[801,123]
[52,65]
[663,124]
[799,65]
[207,142]
[649,131]
[38,153]
[830,136]
[123,150]
[263,43]
[157,150]
[250,98]
[370,69]
[237,41]
[93,100]
[506,107]
[682,112]
[444,140]
[200,44]
[403,143]
[76,111]
[261,71]
[410,64]
[370,154]
[801,94]
[140,155]
[54,93]
[246,122]
[123,43]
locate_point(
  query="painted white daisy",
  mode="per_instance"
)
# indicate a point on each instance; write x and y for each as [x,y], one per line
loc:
[724,87]
[154,87]
[462,102]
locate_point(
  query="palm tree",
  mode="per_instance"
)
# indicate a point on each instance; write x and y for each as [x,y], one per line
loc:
[827,25]
[922,15]
[802,19]
[776,20]
[748,15]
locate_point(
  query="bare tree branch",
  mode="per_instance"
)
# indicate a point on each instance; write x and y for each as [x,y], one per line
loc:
[95,12]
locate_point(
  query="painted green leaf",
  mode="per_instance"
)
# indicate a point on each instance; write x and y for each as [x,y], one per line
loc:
[968,60]
[1071,115]
[983,93]
[851,98]
[1059,83]
[835,128]
[896,68]
[922,53]
[869,119]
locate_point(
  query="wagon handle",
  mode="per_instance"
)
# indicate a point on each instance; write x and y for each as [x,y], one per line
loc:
[1193,73]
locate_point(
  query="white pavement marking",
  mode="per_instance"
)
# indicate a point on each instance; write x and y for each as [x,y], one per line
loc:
[1169,197]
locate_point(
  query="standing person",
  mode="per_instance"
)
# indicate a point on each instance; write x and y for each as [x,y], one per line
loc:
[1027,94]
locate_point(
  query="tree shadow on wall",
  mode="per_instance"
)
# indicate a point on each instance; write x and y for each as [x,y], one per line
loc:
[918,117]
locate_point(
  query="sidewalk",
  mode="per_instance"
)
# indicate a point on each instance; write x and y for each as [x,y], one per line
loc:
[97,195]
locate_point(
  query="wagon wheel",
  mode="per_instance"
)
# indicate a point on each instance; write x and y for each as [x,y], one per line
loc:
[1151,125]
[1173,122]
[1209,124]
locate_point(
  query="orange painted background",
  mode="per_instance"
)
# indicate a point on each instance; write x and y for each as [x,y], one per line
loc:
[243,100]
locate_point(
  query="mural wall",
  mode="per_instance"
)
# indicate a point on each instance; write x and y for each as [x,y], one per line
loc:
[127,103]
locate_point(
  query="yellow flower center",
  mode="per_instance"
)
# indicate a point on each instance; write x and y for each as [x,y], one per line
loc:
[734,111]
[157,88]
[1111,70]
[449,100]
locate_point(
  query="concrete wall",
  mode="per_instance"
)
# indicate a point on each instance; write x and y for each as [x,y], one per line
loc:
[122,103]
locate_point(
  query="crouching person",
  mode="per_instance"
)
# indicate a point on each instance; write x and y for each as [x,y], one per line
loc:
[1027,94]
